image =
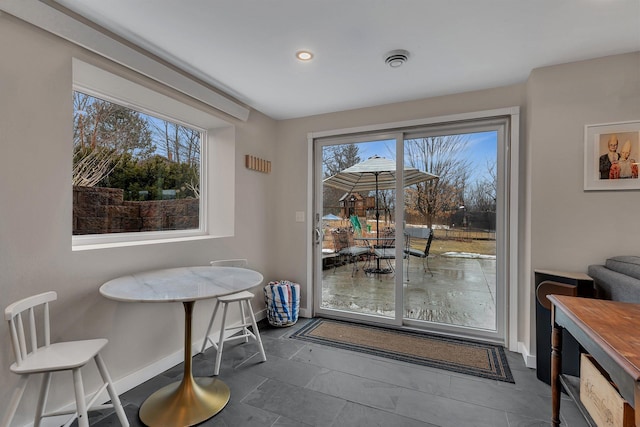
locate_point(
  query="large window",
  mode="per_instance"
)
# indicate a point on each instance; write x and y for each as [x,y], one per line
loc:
[132,172]
[146,166]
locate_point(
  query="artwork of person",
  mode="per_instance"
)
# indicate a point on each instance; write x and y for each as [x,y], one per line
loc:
[606,160]
[625,167]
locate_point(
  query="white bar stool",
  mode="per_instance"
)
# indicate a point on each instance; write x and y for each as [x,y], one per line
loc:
[244,301]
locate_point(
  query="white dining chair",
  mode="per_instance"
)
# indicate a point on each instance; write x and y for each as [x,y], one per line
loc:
[229,333]
[33,356]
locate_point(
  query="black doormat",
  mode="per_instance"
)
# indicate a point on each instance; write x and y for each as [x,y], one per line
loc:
[453,354]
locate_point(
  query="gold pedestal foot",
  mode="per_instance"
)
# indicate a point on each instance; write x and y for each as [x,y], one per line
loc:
[185,403]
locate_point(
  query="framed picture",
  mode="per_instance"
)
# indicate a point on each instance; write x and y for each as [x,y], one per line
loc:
[612,156]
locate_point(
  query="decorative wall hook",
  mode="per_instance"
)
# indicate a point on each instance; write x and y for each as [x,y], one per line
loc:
[257,164]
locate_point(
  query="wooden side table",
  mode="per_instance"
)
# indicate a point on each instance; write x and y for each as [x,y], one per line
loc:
[608,331]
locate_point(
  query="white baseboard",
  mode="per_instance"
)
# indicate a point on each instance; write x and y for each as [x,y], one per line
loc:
[305,312]
[529,359]
[138,377]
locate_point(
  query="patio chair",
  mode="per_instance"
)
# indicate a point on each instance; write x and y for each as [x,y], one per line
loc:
[421,233]
[346,249]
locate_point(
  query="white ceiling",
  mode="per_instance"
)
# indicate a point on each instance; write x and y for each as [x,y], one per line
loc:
[247,47]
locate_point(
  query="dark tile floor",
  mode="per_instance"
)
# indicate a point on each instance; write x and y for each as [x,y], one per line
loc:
[303,384]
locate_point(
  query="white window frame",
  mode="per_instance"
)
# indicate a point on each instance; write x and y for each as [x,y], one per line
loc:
[217,157]
[512,200]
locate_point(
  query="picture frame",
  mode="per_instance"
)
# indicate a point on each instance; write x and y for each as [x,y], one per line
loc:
[603,144]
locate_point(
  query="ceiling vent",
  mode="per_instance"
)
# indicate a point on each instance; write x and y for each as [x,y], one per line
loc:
[396,58]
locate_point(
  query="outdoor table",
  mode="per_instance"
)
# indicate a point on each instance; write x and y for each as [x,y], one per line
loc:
[378,241]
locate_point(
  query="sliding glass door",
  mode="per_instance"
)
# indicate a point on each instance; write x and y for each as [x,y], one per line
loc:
[356,222]
[451,227]
[411,228]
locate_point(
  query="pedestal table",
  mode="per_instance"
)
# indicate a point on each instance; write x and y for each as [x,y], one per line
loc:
[191,400]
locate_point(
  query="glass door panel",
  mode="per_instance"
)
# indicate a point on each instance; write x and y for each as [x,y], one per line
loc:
[450,224]
[357,226]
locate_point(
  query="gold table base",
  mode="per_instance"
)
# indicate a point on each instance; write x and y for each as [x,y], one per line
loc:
[185,403]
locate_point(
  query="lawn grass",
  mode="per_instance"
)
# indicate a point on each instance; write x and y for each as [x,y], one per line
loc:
[445,240]
[484,247]
[475,242]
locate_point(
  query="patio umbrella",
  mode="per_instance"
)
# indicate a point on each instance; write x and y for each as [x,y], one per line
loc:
[375,173]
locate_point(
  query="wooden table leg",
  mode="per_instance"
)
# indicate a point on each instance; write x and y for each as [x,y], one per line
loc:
[556,368]
[636,398]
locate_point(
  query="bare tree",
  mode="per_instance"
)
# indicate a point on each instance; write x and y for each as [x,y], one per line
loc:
[336,158]
[103,132]
[443,156]
[483,194]
[177,143]
[386,204]
[92,166]
[191,139]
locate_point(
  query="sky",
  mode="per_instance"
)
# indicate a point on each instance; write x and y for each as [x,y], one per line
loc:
[482,148]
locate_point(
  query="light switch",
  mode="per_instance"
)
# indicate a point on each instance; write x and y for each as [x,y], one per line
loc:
[299,216]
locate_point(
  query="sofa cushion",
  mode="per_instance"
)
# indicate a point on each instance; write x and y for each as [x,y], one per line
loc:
[613,285]
[628,265]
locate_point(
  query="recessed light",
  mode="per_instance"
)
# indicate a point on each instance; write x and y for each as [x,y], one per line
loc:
[304,55]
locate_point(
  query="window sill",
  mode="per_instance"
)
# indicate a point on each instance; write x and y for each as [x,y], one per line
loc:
[110,245]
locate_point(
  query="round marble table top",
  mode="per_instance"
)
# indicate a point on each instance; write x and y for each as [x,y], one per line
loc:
[180,284]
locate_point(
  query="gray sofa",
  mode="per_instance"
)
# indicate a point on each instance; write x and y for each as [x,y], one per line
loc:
[618,279]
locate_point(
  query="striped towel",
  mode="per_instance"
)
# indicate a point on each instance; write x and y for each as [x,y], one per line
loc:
[283,302]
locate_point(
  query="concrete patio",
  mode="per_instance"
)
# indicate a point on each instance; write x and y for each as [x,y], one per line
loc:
[461,291]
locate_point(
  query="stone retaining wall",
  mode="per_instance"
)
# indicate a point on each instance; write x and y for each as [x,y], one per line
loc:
[103,210]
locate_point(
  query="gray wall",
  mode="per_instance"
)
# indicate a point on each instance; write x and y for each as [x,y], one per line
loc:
[293,147]
[572,228]
[563,227]
[36,211]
